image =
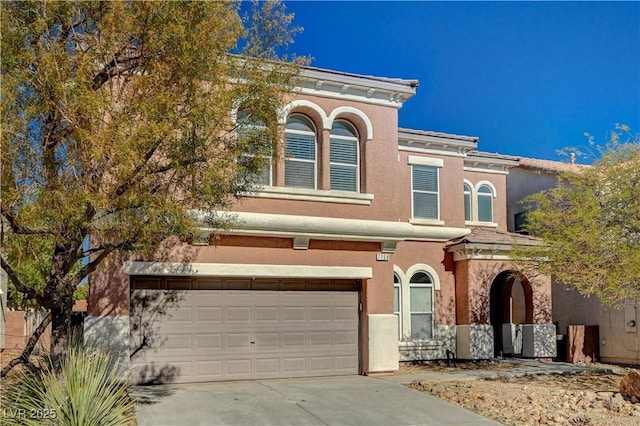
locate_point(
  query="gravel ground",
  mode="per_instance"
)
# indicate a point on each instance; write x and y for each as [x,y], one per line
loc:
[590,398]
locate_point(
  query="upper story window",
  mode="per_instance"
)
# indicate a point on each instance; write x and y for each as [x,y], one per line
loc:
[421,306]
[467,202]
[478,203]
[485,203]
[253,135]
[425,192]
[300,153]
[344,157]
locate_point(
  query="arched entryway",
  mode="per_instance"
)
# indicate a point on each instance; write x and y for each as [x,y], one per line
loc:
[510,302]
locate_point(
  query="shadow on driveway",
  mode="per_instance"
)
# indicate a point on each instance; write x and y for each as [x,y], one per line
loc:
[347,400]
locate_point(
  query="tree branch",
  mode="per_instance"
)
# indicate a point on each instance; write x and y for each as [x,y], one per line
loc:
[132,179]
[91,266]
[16,228]
[28,292]
[31,344]
[123,61]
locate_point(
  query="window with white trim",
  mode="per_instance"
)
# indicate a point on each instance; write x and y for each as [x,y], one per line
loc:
[478,203]
[344,157]
[425,192]
[467,201]
[421,306]
[300,153]
[252,134]
[397,303]
[485,203]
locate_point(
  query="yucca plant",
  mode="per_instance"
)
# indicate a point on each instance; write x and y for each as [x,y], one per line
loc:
[88,391]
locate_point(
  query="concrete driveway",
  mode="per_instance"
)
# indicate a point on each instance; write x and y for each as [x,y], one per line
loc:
[346,400]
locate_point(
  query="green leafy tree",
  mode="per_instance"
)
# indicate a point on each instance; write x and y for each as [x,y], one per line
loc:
[116,119]
[590,224]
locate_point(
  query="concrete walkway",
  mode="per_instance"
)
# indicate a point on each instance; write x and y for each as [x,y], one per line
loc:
[345,400]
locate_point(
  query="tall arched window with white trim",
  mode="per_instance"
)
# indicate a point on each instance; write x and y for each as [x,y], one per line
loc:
[397,303]
[252,133]
[300,152]
[467,201]
[485,203]
[421,306]
[344,157]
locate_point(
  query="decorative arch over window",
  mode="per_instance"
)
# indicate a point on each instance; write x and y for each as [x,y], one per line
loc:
[344,157]
[303,106]
[356,115]
[429,270]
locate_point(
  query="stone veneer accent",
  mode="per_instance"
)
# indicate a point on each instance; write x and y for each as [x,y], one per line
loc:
[539,340]
[444,339]
[474,341]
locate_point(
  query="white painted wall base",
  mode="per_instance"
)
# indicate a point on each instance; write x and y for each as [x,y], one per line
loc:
[474,341]
[383,343]
[111,332]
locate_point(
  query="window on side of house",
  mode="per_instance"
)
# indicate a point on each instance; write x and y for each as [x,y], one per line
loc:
[253,135]
[300,153]
[485,204]
[425,197]
[421,306]
[344,157]
[397,303]
[467,202]
[519,222]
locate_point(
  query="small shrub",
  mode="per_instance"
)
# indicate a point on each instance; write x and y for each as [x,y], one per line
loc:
[581,419]
[88,391]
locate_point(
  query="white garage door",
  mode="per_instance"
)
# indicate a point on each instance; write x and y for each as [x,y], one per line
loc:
[199,335]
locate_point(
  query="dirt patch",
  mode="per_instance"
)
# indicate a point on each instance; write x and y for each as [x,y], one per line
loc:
[589,398]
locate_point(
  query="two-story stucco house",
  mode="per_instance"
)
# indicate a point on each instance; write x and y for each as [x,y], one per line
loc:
[366,245]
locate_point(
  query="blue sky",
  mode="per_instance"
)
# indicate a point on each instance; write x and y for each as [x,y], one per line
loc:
[528,78]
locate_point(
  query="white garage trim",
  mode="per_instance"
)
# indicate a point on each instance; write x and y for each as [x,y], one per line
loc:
[235,270]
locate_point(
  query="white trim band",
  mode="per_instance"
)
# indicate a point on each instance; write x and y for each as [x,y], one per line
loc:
[237,270]
[425,161]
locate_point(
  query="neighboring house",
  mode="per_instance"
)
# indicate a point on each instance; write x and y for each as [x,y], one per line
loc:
[618,339]
[367,245]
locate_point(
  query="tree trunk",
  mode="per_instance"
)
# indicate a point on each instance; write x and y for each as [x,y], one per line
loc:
[61,334]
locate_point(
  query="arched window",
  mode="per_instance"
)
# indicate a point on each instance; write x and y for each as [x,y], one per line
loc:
[397,303]
[344,157]
[467,201]
[256,159]
[300,152]
[485,204]
[421,306]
